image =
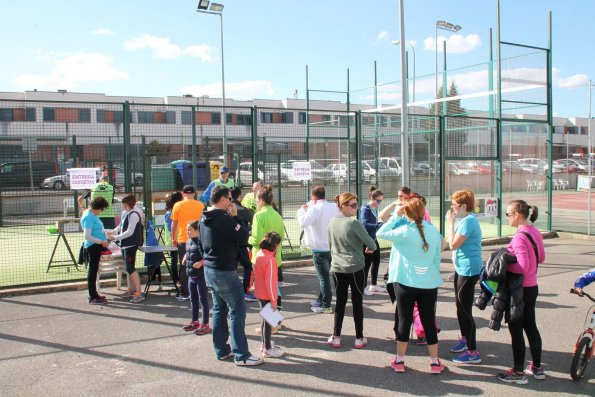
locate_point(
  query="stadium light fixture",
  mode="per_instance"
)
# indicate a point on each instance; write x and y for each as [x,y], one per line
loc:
[203,4]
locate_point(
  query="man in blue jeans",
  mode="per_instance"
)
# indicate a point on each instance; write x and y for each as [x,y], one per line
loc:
[314,217]
[221,233]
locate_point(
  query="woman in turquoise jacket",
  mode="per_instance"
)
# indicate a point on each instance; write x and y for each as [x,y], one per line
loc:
[414,266]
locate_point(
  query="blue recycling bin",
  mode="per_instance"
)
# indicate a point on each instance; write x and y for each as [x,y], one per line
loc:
[184,168]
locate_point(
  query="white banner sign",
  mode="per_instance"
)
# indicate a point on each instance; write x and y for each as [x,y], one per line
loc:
[302,171]
[83,178]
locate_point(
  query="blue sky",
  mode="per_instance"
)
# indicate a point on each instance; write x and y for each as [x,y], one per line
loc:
[160,48]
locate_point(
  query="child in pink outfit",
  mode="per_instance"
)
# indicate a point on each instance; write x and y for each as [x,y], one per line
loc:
[265,287]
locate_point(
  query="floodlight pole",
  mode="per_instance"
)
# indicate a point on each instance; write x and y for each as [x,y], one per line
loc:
[223,115]
[590,160]
[404,119]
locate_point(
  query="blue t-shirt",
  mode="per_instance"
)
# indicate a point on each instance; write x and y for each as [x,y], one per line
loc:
[91,221]
[467,257]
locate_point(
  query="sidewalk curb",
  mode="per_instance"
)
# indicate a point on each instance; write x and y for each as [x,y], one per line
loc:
[304,262]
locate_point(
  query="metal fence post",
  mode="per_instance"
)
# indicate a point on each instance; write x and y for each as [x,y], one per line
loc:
[75,160]
[254,141]
[126,139]
[194,159]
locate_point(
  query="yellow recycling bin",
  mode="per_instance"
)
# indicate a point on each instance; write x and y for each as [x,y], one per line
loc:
[215,165]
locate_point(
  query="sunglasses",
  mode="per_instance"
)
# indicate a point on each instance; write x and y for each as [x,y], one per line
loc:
[378,201]
[354,205]
[508,215]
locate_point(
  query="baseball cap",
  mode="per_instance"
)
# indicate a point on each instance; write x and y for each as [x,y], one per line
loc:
[223,169]
[188,189]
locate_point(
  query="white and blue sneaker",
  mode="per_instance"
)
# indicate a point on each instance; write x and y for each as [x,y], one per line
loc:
[249,361]
[469,357]
[460,346]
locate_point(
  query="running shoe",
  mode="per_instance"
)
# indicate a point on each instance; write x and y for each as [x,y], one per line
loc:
[273,352]
[511,376]
[203,329]
[397,366]
[469,357]
[334,341]
[360,343]
[192,326]
[537,372]
[460,346]
[436,368]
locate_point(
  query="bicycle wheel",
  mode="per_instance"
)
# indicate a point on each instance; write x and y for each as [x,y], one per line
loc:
[580,359]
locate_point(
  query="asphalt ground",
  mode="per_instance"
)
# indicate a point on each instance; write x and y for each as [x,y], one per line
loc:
[56,344]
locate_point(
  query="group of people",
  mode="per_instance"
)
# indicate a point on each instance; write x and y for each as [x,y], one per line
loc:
[212,241]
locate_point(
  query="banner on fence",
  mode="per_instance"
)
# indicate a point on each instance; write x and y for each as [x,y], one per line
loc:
[302,171]
[83,178]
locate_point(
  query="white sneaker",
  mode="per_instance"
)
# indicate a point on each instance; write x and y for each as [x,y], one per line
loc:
[250,361]
[273,352]
[368,291]
[360,343]
[334,341]
[377,288]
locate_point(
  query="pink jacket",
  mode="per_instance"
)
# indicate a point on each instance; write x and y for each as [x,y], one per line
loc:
[522,248]
[265,276]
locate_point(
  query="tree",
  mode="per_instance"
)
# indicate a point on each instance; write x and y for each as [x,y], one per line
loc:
[455,128]
[154,148]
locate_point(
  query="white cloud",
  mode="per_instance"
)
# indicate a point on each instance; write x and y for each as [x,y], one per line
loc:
[102,32]
[574,81]
[72,70]
[164,49]
[245,90]
[382,36]
[455,44]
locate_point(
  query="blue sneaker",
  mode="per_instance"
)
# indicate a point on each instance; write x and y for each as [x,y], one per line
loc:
[469,357]
[250,297]
[460,347]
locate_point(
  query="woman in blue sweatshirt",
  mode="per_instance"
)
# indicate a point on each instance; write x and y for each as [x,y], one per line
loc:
[414,266]
[368,216]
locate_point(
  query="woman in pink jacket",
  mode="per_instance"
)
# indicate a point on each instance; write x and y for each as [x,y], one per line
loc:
[265,286]
[527,246]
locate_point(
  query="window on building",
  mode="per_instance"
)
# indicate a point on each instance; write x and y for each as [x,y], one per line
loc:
[287,118]
[170,117]
[215,118]
[266,117]
[84,116]
[30,114]
[186,117]
[49,114]
[145,117]
[5,114]
[302,117]
[244,119]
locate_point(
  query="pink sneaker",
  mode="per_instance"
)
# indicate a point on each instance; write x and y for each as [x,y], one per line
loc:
[203,329]
[192,326]
[334,341]
[360,343]
[436,368]
[397,366]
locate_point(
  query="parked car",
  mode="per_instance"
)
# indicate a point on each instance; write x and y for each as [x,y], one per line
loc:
[339,171]
[516,167]
[18,174]
[572,165]
[383,169]
[541,165]
[461,169]
[61,182]
[368,174]
[245,174]
[392,164]
[319,173]
[423,168]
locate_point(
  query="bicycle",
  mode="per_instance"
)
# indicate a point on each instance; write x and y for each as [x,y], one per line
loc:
[585,344]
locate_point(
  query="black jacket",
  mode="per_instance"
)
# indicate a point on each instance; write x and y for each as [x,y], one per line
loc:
[220,237]
[193,255]
[244,214]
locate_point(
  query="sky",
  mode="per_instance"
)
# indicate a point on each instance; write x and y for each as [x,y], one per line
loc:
[158,48]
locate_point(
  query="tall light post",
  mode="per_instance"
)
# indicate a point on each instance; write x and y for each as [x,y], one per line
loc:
[398,42]
[450,27]
[206,7]
[590,159]
[404,101]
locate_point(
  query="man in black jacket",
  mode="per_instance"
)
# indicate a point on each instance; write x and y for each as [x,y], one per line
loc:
[243,257]
[221,233]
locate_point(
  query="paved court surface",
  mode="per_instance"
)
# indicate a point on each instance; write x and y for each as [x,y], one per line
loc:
[55,344]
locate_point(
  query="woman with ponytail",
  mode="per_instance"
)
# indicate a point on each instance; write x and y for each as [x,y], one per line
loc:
[527,246]
[414,266]
[346,237]
[368,216]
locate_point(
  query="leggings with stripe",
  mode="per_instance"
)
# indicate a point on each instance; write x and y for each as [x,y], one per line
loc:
[465,293]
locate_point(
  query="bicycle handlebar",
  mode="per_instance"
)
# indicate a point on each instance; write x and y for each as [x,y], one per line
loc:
[572,291]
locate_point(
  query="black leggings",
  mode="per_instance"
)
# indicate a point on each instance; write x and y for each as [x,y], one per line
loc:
[426,304]
[372,261]
[342,283]
[529,325]
[93,257]
[265,328]
[464,293]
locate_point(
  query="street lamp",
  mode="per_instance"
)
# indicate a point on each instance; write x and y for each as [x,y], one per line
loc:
[590,160]
[398,42]
[450,28]
[206,7]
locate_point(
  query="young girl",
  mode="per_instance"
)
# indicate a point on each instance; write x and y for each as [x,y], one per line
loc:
[369,218]
[196,281]
[265,286]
